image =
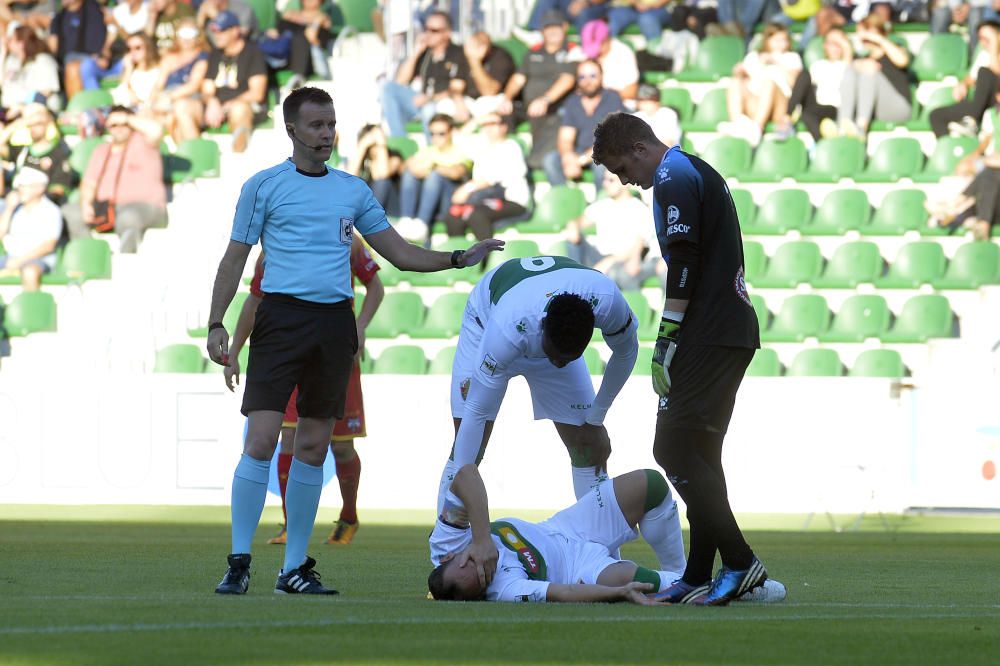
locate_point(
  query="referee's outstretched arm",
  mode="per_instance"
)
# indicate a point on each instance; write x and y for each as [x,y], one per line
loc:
[409,257]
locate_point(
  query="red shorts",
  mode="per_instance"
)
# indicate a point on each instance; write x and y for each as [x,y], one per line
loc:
[353,423]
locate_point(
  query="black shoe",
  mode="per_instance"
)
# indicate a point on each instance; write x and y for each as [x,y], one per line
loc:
[237,579]
[304,580]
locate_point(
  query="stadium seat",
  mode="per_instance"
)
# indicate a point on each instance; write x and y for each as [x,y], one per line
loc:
[265,12]
[782,211]
[403,145]
[679,99]
[941,55]
[30,312]
[746,209]
[729,155]
[89,99]
[515,47]
[79,158]
[640,307]
[776,160]
[203,155]
[592,358]
[513,249]
[709,112]
[558,206]
[895,158]
[974,265]
[878,363]
[816,363]
[229,320]
[793,263]
[401,360]
[643,362]
[948,151]
[861,316]
[940,97]
[358,14]
[87,259]
[917,263]
[813,51]
[765,363]
[801,316]
[835,158]
[841,211]
[442,362]
[401,312]
[716,58]
[900,211]
[184,357]
[760,309]
[754,260]
[444,317]
[852,264]
[923,317]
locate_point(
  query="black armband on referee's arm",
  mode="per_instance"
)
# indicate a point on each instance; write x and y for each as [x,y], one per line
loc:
[682,273]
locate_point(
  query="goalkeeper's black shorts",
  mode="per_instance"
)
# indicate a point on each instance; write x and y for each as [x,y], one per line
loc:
[703,385]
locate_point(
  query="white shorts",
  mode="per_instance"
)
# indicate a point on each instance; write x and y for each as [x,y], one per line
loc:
[598,527]
[563,395]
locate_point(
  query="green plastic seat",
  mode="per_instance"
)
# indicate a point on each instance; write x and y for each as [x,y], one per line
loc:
[900,211]
[854,263]
[835,158]
[801,316]
[443,361]
[30,312]
[515,47]
[841,211]
[404,145]
[754,261]
[917,263]
[640,307]
[760,309]
[941,55]
[782,211]
[80,156]
[558,206]
[401,312]
[84,100]
[896,157]
[974,265]
[709,112]
[729,155]
[813,51]
[776,160]
[513,249]
[746,209]
[765,363]
[87,259]
[358,14]
[267,16]
[401,360]
[592,358]
[878,363]
[643,362]
[940,97]
[816,363]
[203,155]
[679,99]
[948,151]
[716,58]
[923,317]
[793,263]
[861,316]
[444,317]
[229,319]
[184,357]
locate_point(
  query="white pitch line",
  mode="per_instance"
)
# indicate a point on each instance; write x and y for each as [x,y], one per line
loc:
[286,624]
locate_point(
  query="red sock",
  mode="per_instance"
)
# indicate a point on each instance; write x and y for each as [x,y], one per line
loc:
[284,465]
[349,475]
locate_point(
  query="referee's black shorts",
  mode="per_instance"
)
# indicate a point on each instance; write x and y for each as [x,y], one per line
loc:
[703,386]
[304,344]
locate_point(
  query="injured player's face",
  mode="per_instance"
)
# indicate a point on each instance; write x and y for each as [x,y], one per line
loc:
[462,583]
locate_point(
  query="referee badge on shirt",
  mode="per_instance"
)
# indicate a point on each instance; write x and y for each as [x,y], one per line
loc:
[346,230]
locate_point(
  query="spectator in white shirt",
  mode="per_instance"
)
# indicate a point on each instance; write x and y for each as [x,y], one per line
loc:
[30,228]
[663,119]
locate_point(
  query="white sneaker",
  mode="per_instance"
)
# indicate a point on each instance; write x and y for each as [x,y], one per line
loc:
[411,229]
[771,592]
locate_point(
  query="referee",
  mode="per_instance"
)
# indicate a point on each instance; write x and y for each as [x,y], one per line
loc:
[304,214]
[707,337]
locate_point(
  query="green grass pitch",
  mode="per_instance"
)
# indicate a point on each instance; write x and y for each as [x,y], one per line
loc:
[133,585]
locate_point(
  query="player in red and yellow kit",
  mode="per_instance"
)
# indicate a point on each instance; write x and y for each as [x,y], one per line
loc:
[365,269]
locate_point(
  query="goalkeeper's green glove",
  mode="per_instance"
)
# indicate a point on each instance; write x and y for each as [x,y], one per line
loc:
[663,354]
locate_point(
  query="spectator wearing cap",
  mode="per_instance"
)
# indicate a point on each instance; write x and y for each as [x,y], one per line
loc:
[663,119]
[650,15]
[33,141]
[621,72]
[435,74]
[579,117]
[30,228]
[541,85]
[29,70]
[77,32]
[123,184]
[578,11]
[235,85]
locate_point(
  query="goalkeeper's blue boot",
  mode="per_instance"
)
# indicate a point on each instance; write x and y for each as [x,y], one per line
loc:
[731,583]
[237,578]
[680,592]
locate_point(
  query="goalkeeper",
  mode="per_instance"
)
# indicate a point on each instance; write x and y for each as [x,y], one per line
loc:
[707,337]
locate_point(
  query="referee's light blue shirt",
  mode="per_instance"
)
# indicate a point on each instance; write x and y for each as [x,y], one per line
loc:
[305,223]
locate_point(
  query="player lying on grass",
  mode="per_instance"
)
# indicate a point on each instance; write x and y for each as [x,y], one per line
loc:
[566,557]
